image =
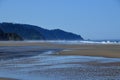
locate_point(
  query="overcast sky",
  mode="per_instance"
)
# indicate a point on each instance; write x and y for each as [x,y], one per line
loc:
[93,19]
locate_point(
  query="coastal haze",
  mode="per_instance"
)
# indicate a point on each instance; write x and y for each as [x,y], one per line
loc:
[59,40]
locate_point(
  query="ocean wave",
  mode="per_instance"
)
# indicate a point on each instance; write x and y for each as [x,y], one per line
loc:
[78,41]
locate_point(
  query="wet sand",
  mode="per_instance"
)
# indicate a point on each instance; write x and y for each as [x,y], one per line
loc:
[7,79]
[102,50]
[51,67]
[64,61]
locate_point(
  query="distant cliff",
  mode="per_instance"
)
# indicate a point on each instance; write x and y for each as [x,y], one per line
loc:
[11,31]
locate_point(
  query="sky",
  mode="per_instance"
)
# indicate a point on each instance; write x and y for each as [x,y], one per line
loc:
[92,19]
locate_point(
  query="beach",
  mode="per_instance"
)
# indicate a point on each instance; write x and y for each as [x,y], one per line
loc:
[102,50]
[27,60]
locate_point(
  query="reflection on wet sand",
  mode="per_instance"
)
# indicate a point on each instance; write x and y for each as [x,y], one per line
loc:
[51,67]
[58,62]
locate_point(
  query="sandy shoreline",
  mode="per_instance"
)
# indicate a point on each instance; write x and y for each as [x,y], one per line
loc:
[102,50]
[108,50]
[70,63]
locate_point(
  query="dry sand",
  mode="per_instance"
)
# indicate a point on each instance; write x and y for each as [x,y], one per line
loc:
[102,50]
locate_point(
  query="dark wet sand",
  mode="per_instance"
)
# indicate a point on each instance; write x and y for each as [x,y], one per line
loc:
[7,79]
